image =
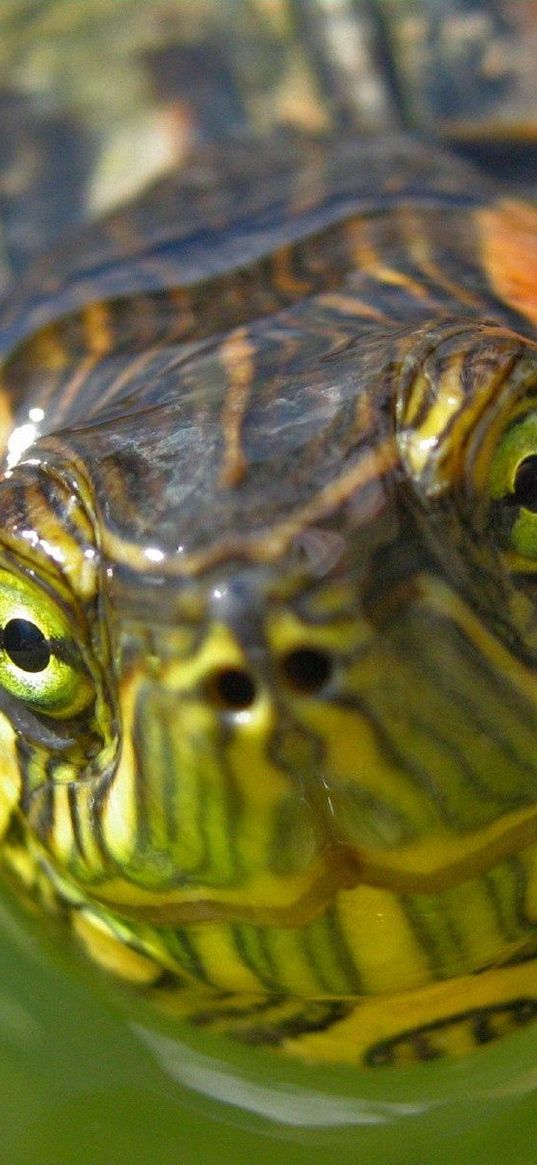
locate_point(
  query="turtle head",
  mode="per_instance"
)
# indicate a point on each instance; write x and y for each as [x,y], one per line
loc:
[340,696]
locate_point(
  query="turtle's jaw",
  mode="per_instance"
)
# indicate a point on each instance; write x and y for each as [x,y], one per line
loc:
[294,905]
[432,868]
[411,769]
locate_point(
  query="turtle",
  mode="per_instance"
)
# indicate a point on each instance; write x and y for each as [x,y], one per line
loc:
[268,636]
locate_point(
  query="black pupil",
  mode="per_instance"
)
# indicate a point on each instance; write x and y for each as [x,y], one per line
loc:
[525,486]
[26,645]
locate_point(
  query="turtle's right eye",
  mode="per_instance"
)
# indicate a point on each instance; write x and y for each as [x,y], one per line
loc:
[40,661]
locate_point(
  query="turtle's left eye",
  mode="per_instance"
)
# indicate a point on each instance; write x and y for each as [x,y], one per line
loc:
[513,488]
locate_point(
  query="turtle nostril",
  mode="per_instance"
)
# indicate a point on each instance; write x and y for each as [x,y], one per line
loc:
[307,670]
[232,688]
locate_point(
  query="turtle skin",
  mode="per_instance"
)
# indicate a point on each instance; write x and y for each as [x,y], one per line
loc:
[267,619]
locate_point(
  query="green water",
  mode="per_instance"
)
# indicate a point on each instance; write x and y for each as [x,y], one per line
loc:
[86,1078]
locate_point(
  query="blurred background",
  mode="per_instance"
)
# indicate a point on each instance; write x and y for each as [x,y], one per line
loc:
[97,97]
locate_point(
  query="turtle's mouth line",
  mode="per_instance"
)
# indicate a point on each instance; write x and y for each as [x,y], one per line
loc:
[430,867]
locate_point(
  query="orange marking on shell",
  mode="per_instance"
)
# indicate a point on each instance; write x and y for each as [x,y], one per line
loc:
[351,305]
[415,229]
[364,247]
[99,333]
[509,252]
[284,276]
[237,355]
[48,348]
[6,417]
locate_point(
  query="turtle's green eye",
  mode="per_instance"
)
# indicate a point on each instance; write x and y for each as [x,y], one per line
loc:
[40,662]
[513,487]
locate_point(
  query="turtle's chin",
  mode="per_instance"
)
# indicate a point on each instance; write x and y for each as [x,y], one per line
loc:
[339,871]
[425,868]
